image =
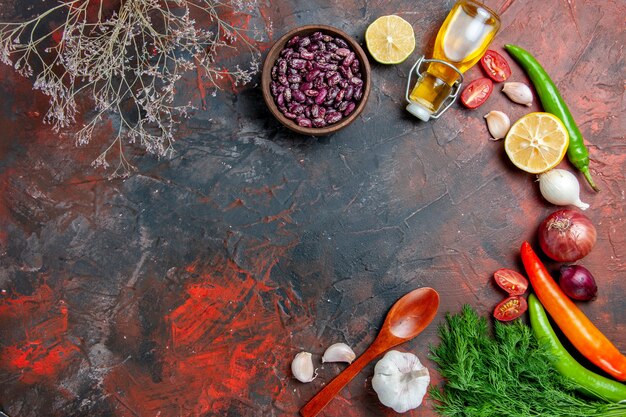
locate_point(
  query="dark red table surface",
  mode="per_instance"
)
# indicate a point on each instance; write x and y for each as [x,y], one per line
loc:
[187,288]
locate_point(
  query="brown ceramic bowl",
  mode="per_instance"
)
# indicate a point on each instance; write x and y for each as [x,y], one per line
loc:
[266,78]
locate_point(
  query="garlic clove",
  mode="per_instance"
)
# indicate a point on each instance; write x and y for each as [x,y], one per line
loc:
[498,124]
[302,367]
[339,352]
[519,93]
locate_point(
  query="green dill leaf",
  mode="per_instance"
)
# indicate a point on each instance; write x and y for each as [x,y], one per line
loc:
[502,374]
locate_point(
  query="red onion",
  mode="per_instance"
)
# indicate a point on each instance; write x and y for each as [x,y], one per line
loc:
[567,235]
[577,282]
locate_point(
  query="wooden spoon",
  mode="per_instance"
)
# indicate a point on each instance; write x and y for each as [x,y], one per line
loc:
[407,318]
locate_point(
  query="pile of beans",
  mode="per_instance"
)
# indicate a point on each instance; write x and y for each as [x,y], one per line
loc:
[316,81]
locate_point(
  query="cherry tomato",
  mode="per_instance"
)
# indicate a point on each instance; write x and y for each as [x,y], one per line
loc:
[495,66]
[511,281]
[510,308]
[476,92]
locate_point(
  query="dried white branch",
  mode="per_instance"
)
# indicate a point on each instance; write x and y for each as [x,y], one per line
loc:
[128,59]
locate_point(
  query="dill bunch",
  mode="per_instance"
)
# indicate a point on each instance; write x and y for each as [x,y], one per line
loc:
[507,373]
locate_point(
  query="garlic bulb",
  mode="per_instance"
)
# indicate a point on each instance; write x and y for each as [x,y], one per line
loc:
[561,187]
[339,352]
[302,367]
[400,380]
[498,124]
[519,93]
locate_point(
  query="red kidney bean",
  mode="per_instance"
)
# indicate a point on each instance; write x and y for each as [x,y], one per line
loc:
[280,100]
[329,103]
[322,112]
[294,86]
[303,121]
[294,78]
[356,81]
[304,42]
[287,95]
[313,47]
[331,46]
[311,75]
[315,110]
[293,40]
[289,115]
[344,83]
[274,72]
[348,60]
[286,53]
[341,43]
[306,54]
[321,46]
[333,117]
[298,95]
[282,66]
[358,93]
[318,83]
[342,52]
[297,63]
[296,108]
[349,109]
[307,112]
[311,93]
[332,93]
[309,101]
[343,105]
[319,99]
[346,72]
[319,122]
[317,36]
[356,65]
[340,95]
[274,88]
[327,38]
[283,79]
[326,66]
[334,79]
[349,93]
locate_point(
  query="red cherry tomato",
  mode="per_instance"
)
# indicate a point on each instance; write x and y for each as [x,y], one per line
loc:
[495,66]
[476,92]
[510,308]
[511,281]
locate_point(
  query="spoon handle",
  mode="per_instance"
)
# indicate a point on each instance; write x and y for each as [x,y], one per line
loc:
[317,403]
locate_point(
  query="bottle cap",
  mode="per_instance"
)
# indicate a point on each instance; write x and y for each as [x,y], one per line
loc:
[418,111]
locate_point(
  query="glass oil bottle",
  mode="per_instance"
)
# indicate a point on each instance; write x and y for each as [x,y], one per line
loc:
[462,40]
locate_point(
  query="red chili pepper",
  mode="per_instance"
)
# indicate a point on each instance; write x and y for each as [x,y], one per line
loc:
[573,323]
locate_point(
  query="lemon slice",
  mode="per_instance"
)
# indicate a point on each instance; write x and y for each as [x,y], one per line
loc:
[390,39]
[537,142]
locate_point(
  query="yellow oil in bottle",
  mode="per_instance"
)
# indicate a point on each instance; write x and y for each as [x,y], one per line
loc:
[463,38]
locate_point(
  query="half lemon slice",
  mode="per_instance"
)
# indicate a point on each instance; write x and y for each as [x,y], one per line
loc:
[390,39]
[537,142]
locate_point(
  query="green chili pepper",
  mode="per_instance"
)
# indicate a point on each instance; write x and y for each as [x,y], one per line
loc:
[552,102]
[589,382]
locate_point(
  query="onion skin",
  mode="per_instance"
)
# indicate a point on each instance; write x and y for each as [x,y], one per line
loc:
[577,282]
[567,235]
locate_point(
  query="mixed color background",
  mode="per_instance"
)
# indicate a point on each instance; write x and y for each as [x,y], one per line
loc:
[187,288]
